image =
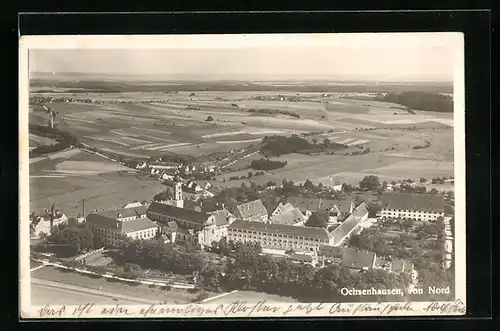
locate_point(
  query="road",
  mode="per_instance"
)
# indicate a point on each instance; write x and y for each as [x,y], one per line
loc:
[47,292]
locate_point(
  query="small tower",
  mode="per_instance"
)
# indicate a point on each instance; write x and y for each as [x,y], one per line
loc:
[179,202]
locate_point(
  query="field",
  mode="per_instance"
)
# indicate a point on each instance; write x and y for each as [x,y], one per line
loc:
[178,123]
[153,123]
[65,178]
[140,292]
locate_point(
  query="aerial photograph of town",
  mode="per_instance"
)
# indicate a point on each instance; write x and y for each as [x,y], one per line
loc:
[183,176]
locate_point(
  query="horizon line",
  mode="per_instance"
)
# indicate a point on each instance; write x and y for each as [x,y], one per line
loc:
[278,78]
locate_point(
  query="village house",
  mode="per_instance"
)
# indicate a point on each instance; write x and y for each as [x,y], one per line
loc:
[111,225]
[254,211]
[419,207]
[330,254]
[290,217]
[41,225]
[279,236]
[340,233]
[358,260]
[310,205]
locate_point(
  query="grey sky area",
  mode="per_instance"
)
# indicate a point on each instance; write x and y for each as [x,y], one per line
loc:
[390,61]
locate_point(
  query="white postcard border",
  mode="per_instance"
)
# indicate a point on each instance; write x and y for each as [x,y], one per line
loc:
[374,309]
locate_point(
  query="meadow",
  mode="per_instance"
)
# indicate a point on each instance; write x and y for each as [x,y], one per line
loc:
[153,123]
[67,179]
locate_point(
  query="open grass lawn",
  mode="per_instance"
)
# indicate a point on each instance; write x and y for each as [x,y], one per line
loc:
[174,296]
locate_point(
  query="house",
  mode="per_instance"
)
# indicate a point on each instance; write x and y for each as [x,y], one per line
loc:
[340,233]
[282,208]
[399,265]
[302,258]
[254,211]
[330,253]
[112,225]
[358,260]
[192,187]
[134,204]
[41,225]
[382,263]
[290,217]
[419,207]
[338,188]
[310,205]
[279,236]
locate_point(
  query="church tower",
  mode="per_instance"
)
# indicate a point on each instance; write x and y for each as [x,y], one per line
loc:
[179,202]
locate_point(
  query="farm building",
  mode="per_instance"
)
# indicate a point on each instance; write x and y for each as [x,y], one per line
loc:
[254,211]
[420,207]
[111,225]
[340,233]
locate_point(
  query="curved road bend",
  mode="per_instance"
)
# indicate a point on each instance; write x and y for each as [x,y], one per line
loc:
[55,291]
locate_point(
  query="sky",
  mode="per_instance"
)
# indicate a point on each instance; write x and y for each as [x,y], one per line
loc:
[388,59]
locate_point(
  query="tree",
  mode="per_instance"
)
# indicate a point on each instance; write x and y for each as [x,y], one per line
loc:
[250,175]
[369,183]
[318,219]
[314,141]
[422,180]
[326,141]
[209,118]
[308,184]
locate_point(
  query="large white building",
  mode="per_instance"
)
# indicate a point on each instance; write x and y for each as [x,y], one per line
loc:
[111,225]
[279,236]
[419,207]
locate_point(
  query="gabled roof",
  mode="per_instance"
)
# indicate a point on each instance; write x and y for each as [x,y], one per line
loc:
[290,230]
[399,265]
[381,262]
[328,250]
[282,208]
[138,224]
[355,259]
[251,209]
[301,257]
[413,201]
[124,212]
[350,223]
[319,204]
[176,212]
[133,225]
[221,216]
[289,217]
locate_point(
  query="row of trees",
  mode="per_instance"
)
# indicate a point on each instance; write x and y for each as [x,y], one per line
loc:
[264,164]
[72,239]
[64,140]
[421,101]
[250,270]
